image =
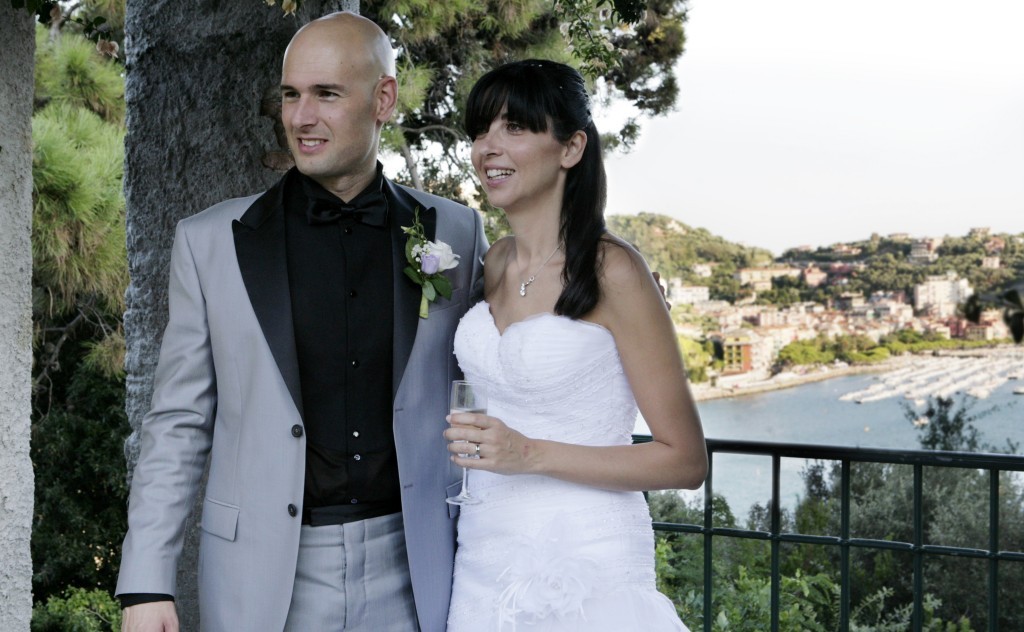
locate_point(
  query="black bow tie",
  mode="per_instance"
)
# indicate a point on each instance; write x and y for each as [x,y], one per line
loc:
[370,208]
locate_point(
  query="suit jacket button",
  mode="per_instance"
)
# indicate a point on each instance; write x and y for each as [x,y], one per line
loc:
[296,431]
[293,510]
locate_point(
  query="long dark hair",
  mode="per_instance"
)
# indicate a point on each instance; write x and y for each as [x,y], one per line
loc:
[534,92]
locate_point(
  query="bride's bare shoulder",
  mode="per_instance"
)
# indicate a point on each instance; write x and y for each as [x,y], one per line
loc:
[494,261]
[622,266]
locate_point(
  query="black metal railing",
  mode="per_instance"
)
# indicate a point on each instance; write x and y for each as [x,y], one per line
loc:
[994,464]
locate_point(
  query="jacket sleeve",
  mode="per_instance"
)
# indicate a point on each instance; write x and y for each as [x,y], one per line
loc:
[175,435]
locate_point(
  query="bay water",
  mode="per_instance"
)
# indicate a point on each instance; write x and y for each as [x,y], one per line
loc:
[813,414]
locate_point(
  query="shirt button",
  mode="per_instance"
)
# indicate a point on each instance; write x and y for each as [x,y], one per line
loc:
[296,431]
[355,434]
[358,457]
[352,293]
[293,510]
[348,230]
[353,501]
[355,363]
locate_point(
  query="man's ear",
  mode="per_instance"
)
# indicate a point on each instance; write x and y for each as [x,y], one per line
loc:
[574,149]
[386,98]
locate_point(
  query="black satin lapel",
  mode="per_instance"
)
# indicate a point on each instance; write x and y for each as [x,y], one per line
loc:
[402,206]
[262,260]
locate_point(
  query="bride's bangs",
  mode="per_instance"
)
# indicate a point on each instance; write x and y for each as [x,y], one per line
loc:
[522,97]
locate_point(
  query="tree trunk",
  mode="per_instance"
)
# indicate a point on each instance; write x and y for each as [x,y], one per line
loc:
[17,43]
[201,96]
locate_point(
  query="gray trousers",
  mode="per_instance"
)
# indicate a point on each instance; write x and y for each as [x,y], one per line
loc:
[353,577]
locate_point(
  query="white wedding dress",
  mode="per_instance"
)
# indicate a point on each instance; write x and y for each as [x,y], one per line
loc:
[539,553]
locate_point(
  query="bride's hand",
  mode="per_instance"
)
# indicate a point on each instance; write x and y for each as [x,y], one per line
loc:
[500,448]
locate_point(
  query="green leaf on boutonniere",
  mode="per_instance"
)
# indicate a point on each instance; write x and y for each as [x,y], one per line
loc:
[414,275]
[442,285]
[429,291]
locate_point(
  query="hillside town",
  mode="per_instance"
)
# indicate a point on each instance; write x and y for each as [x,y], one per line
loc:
[748,335]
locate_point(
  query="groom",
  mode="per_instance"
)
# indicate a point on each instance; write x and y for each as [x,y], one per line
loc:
[295,362]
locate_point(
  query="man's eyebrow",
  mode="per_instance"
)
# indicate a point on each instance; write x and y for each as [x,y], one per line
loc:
[335,87]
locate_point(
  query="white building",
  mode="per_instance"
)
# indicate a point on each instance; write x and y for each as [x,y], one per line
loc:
[939,295]
[687,294]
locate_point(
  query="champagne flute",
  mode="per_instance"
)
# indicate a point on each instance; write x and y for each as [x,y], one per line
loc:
[467,397]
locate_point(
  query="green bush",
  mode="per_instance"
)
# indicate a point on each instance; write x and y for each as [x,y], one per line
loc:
[77,610]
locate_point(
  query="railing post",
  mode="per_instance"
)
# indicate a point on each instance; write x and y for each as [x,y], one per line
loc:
[708,526]
[844,545]
[776,527]
[993,546]
[917,620]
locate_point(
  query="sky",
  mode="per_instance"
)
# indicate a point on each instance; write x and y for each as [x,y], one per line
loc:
[810,122]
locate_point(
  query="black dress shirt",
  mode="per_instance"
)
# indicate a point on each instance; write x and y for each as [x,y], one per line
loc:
[342,293]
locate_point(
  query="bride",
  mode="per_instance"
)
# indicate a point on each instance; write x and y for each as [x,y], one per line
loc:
[572,337]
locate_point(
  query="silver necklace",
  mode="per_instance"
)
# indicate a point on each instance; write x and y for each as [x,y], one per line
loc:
[533,277]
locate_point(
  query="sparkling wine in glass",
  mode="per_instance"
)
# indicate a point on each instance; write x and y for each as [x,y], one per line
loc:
[467,397]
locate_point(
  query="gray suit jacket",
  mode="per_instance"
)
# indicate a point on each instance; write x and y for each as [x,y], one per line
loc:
[227,392]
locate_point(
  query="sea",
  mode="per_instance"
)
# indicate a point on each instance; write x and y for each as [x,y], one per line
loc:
[814,414]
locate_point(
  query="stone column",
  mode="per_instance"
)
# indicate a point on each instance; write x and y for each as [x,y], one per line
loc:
[17,48]
[202,103]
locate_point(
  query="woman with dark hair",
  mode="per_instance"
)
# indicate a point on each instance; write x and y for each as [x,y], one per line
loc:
[572,338]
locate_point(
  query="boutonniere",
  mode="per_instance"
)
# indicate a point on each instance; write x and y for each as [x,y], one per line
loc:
[427,260]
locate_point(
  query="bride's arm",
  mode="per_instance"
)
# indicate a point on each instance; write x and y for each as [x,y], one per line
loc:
[632,308]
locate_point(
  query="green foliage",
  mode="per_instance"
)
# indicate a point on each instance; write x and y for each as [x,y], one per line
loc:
[78,245]
[949,427]
[696,359]
[863,350]
[77,610]
[673,248]
[444,47]
[805,352]
[79,278]
[70,72]
[81,490]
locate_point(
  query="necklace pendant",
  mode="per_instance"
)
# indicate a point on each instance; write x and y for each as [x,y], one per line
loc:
[522,289]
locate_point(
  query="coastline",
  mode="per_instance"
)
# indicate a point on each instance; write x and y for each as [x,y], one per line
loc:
[738,386]
[703,392]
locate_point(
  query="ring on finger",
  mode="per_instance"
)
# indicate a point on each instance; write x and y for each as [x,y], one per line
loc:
[477,445]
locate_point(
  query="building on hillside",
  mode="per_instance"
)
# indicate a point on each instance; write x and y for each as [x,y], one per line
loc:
[677,292]
[758,276]
[981,331]
[990,326]
[939,295]
[925,250]
[848,301]
[979,233]
[814,276]
[745,351]
[846,250]
[725,315]
[991,262]
[737,350]
[839,272]
[995,245]
[894,312]
[899,237]
[703,270]
[895,296]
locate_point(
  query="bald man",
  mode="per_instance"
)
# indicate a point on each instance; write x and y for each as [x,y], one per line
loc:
[296,365]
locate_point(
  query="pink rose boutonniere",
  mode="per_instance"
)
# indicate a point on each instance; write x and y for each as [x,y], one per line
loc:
[427,260]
